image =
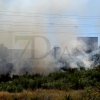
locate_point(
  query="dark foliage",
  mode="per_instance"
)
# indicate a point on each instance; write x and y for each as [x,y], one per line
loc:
[59,80]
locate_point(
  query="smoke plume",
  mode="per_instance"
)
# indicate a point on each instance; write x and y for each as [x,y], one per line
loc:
[43,18]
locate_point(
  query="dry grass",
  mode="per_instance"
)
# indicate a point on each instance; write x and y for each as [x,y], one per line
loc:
[42,94]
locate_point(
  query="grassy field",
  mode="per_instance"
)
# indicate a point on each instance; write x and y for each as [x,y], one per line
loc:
[51,94]
[41,94]
[70,85]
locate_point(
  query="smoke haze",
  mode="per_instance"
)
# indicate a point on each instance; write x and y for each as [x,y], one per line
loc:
[43,18]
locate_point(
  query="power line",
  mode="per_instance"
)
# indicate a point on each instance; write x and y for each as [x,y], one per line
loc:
[5,31]
[60,25]
[39,23]
[11,23]
[27,13]
[57,16]
[48,14]
[53,24]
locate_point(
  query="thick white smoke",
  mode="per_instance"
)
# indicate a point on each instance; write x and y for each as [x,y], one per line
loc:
[46,18]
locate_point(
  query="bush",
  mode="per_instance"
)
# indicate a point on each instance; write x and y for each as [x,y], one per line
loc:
[19,88]
[32,84]
[11,88]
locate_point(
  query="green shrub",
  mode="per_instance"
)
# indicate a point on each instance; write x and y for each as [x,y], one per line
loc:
[11,88]
[31,84]
[19,88]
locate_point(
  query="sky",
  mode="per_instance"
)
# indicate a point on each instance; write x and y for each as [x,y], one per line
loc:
[58,20]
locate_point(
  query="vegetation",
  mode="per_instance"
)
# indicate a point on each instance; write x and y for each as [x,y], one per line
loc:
[87,82]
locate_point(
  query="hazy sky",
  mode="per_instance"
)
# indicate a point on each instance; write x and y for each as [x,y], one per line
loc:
[66,17]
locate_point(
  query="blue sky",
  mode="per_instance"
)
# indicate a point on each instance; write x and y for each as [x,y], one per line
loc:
[92,10]
[88,15]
